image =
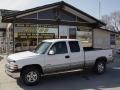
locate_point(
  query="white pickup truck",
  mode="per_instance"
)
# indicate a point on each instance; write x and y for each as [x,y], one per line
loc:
[52,56]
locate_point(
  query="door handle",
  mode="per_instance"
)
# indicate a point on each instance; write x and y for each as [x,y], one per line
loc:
[67,56]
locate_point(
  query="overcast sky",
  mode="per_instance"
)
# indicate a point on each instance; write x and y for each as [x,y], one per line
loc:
[89,6]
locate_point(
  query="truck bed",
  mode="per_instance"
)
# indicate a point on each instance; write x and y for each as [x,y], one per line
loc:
[92,49]
[92,54]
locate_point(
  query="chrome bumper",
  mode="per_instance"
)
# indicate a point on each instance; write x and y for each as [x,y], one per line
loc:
[14,74]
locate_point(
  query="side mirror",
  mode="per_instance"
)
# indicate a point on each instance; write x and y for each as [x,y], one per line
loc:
[51,52]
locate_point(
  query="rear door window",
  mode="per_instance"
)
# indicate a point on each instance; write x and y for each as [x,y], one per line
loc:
[74,46]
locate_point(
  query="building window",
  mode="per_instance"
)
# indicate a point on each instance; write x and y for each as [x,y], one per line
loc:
[29,35]
[112,39]
[85,36]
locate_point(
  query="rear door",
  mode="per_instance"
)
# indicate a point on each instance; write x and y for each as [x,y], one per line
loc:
[76,55]
[60,60]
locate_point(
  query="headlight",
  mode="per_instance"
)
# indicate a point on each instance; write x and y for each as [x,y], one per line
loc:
[12,65]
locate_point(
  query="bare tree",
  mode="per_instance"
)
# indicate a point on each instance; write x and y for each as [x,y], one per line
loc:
[112,21]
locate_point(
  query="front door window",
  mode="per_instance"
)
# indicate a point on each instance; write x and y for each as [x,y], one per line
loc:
[59,48]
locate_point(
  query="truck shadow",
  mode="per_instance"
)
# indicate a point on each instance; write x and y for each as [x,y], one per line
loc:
[79,80]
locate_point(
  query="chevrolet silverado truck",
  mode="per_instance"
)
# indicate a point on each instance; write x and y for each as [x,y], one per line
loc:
[53,56]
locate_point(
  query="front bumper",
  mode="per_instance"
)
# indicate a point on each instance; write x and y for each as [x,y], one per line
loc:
[14,74]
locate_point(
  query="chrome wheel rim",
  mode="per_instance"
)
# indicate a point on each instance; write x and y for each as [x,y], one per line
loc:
[100,67]
[32,77]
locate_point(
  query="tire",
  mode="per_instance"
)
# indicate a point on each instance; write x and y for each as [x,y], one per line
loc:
[100,67]
[30,76]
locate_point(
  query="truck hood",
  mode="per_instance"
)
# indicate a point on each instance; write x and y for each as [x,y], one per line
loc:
[21,55]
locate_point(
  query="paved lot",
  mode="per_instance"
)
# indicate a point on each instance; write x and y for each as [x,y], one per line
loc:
[70,81]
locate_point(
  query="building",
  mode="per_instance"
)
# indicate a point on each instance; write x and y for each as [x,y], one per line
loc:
[57,20]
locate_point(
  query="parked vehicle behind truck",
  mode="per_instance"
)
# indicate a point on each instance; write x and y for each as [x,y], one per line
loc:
[56,55]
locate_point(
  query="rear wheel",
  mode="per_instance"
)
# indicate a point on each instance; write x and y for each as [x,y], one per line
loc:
[30,76]
[100,67]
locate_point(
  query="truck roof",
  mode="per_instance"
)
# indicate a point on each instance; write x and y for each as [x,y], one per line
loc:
[56,40]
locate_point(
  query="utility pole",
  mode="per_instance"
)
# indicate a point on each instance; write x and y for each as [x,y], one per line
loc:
[99,9]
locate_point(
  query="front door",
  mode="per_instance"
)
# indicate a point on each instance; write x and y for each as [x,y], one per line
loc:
[59,61]
[72,33]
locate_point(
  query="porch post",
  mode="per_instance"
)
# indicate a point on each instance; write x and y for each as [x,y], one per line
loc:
[58,31]
[13,38]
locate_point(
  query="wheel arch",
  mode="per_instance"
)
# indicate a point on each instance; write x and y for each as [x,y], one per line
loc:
[103,58]
[33,66]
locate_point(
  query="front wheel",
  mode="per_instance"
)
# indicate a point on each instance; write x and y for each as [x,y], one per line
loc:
[30,76]
[100,67]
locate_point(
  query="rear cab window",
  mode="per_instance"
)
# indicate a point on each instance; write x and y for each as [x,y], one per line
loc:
[74,46]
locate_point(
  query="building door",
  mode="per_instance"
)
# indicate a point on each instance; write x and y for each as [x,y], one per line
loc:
[72,33]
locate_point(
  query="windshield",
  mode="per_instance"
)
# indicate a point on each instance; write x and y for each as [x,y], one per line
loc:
[42,47]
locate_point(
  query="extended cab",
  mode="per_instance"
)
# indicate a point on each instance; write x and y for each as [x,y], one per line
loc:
[57,55]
